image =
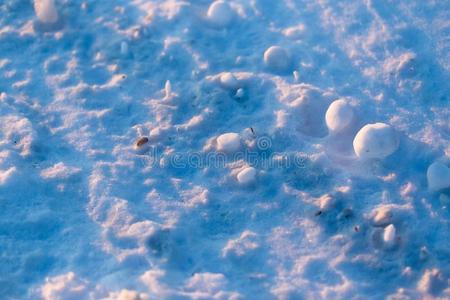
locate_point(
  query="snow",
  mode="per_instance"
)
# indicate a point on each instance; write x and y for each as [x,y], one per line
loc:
[376,140]
[228,142]
[277,59]
[246,176]
[220,13]
[46,11]
[339,115]
[438,176]
[173,149]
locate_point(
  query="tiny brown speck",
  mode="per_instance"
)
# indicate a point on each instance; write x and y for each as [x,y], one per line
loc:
[142,141]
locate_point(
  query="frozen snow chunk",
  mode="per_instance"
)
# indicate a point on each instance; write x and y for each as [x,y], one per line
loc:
[376,140]
[389,235]
[246,176]
[46,11]
[59,171]
[339,115]
[6,174]
[438,176]
[67,287]
[432,282]
[383,216]
[220,14]
[277,59]
[228,142]
[229,81]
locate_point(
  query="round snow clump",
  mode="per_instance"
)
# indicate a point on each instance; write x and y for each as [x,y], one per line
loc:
[339,115]
[375,141]
[46,11]
[247,175]
[229,81]
[438,176]
[389,235]
[220,13]
[277,59]
[228,142]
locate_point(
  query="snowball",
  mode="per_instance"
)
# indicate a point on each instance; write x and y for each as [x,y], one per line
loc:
[277,59]
[389,235]
[228,142]
[339,115]
[383,216]
[247,175]
[438,176]
[220,14]
[46,11]
[229,81]
[375,141]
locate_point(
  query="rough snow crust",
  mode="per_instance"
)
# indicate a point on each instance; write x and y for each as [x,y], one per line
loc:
[288,210]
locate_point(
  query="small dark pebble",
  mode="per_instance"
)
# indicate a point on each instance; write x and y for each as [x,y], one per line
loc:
[142,141]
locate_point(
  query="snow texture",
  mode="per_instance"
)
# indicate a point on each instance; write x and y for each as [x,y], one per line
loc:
[263,149]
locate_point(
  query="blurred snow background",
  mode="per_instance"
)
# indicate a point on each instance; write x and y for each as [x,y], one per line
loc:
[103,103]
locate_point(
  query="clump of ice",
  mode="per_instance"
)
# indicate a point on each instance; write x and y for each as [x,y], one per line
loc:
[376,140]
[220,14]
[438,176]
[46,11]
[326,202]
[389,235]
[228,142]
[277,59]
[246,176]
[339,115]
[229,81]
[383,216]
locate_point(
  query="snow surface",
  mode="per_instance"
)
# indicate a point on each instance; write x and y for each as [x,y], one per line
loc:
[117,181]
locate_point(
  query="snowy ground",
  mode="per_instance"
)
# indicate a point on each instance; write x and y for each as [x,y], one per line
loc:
[291,212]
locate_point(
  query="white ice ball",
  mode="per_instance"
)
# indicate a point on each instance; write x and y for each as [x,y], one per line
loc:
[277,59]
[220,13]
[46,11]
[228,142]
[376,140]
[339,115]
[389,235]
[438,176]
[246,176]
